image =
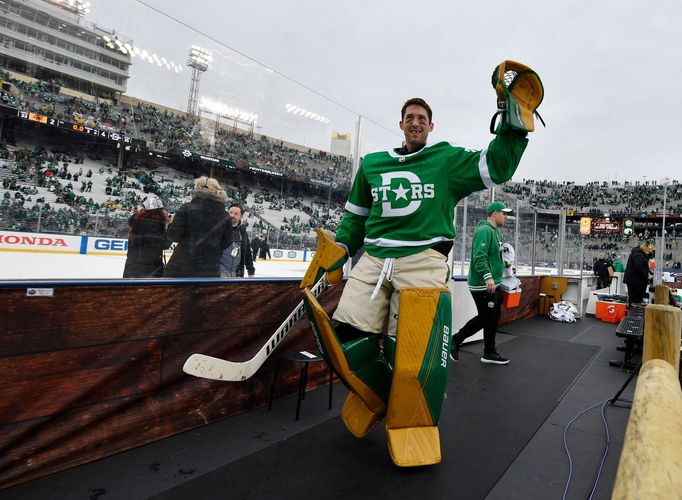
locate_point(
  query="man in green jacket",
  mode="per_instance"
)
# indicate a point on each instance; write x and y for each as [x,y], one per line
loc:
[485,275]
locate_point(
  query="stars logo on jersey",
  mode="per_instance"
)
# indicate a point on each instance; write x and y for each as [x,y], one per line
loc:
[401,193]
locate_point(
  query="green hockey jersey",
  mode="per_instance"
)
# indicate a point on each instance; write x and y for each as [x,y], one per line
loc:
[486,257]
[402,204]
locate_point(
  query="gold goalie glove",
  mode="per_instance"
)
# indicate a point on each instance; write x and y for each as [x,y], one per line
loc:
[519,94]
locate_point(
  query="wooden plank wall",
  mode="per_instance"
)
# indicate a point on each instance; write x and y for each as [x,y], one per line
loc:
[96,370]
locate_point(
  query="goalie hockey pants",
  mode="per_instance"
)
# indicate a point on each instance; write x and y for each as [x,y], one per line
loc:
[489,307]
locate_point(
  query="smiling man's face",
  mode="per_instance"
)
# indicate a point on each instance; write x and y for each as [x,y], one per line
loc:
[416,126]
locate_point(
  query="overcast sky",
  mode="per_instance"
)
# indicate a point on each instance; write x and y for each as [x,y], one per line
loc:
[611,70]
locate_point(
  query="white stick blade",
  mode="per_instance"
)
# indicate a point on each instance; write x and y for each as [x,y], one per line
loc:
[212,368]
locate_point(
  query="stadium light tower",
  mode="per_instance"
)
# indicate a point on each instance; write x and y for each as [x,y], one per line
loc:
[198,60]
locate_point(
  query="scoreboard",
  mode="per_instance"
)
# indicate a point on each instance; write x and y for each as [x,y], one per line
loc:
[605,226]
[75,127]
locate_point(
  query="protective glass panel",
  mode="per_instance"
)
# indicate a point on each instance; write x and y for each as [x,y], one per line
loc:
[475,214]
[580,251]
[547,243]
[110,113]
[524,240]
[127,132]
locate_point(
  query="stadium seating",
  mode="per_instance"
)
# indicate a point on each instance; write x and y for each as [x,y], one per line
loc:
[53,185]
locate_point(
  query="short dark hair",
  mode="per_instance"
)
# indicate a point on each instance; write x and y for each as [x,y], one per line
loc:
[241,209]
[419,102]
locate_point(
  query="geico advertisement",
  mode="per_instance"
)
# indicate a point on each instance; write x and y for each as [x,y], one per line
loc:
[289,255]
[106,246]
[39,242]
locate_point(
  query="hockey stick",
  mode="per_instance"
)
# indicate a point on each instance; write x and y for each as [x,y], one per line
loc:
[201,365]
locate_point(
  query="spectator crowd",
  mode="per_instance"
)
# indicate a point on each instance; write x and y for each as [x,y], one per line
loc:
[64,190]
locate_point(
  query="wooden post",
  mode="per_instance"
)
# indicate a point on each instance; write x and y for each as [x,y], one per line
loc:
[662,334]
[651,462]
[662,296]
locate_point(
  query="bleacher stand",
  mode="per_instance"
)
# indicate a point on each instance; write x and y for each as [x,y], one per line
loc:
[72,191]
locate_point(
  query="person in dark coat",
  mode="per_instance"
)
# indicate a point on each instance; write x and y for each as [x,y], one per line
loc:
[238,255]
[147,240]
[601,271]
[265,250]
[255,246]
[202,230]
[637,273]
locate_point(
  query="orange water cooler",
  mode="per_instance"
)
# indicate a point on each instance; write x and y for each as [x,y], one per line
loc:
[511,299]
[613,312]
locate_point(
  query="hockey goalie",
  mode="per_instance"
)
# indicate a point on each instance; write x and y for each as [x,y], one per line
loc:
[391,337]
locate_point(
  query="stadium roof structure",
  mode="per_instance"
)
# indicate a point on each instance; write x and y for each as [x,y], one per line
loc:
[39,38]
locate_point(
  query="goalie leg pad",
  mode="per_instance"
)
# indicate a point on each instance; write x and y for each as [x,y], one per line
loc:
[329,257]
[359,363]
[419,376]
[357,417]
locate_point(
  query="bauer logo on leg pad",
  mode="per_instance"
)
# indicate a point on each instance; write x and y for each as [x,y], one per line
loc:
[445,350]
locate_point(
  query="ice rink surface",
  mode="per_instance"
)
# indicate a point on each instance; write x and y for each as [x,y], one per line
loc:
[28,265]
